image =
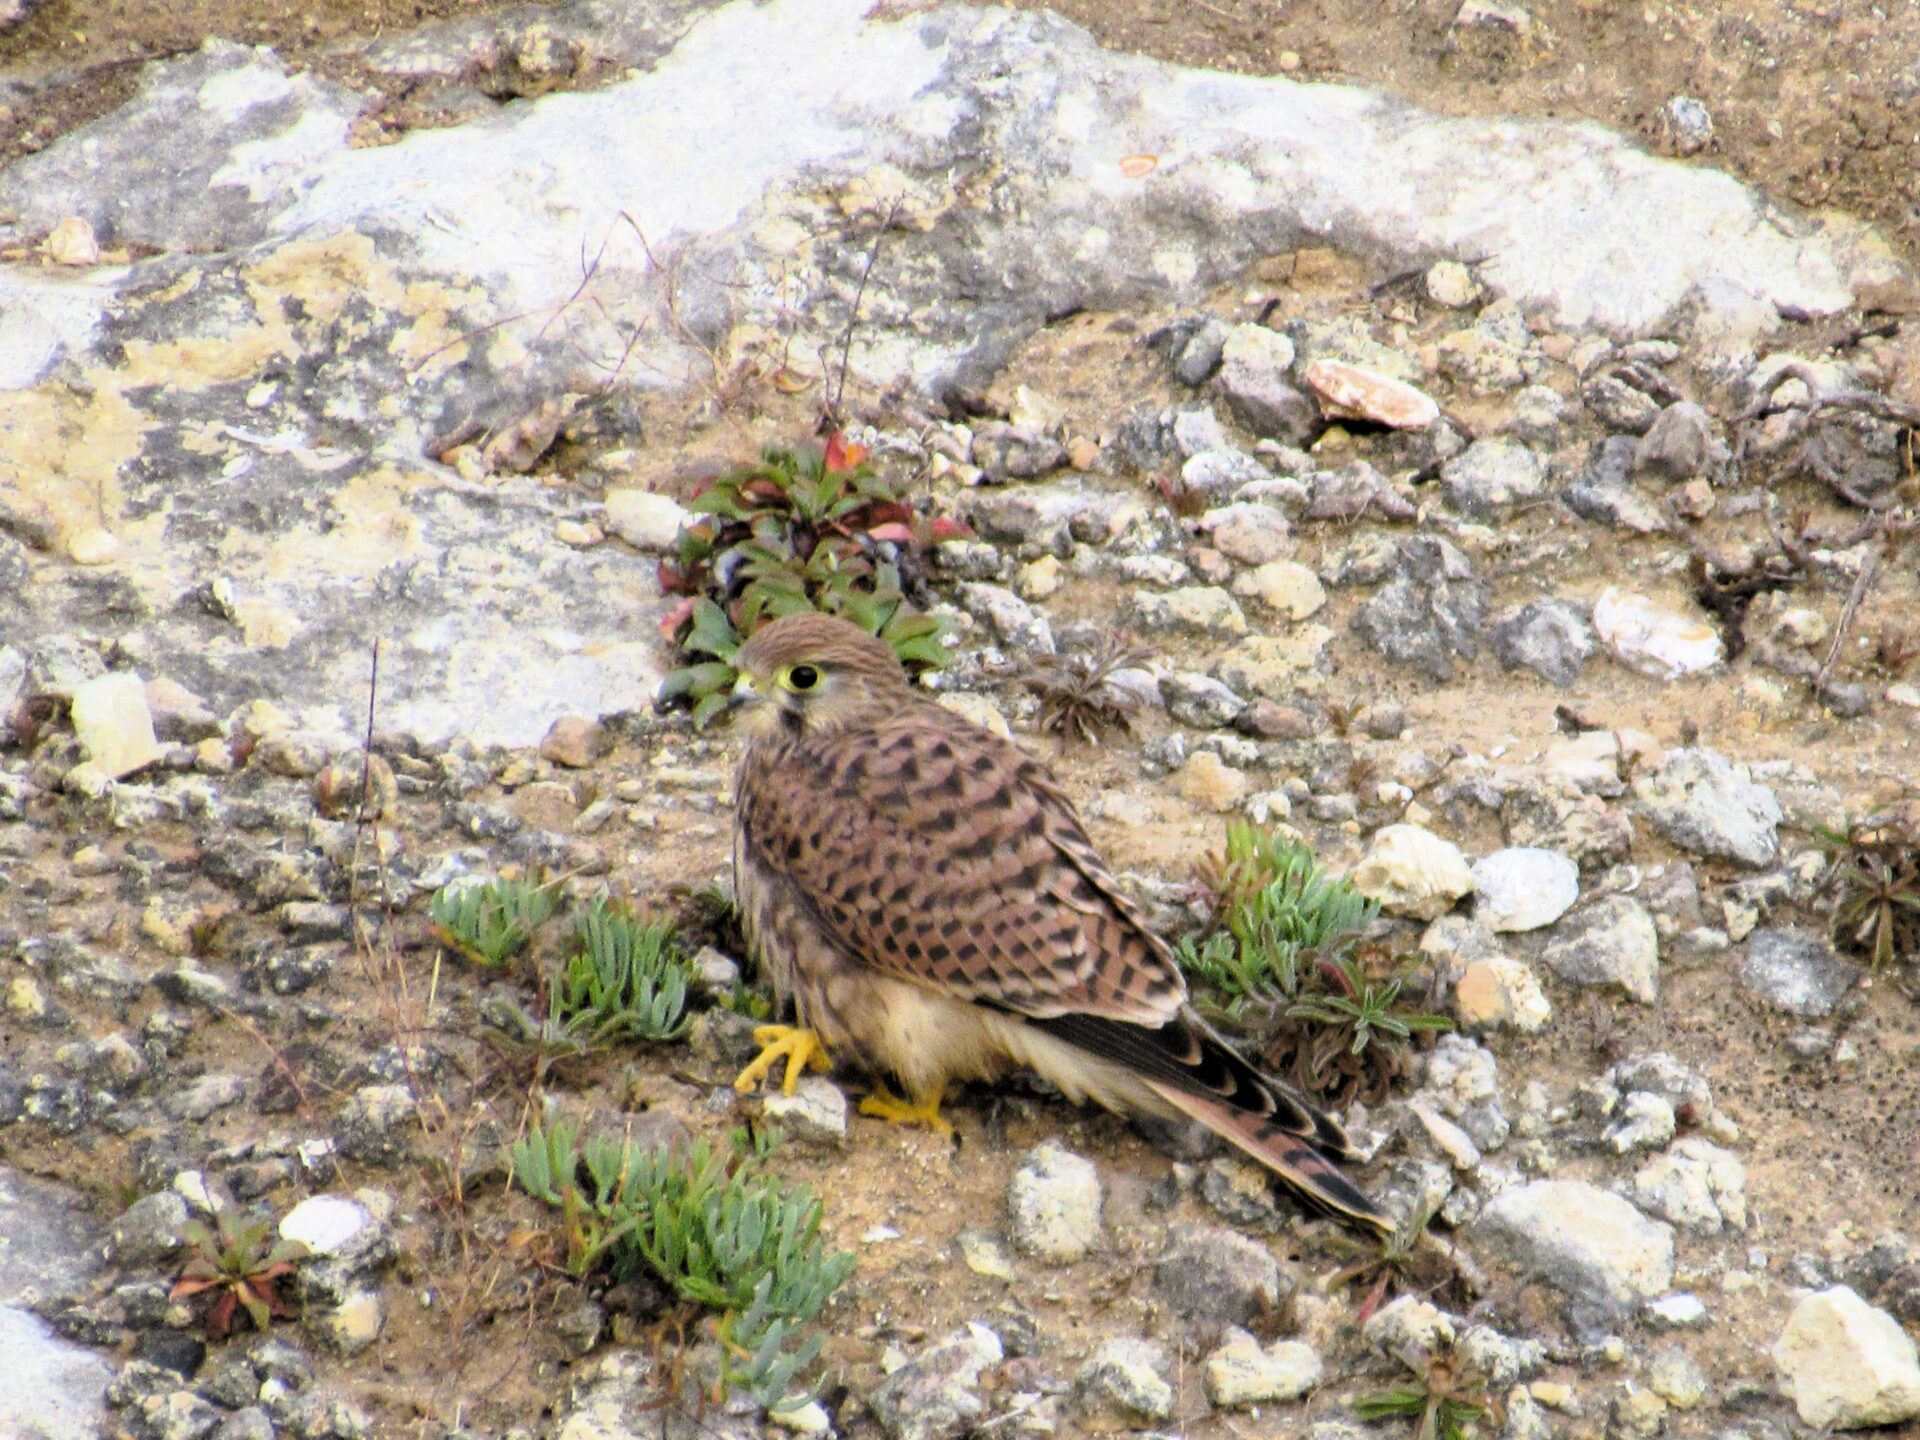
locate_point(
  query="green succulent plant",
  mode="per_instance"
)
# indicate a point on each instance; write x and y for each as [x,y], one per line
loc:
[803,530]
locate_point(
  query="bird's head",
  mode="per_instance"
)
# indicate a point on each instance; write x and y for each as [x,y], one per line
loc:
[809,673]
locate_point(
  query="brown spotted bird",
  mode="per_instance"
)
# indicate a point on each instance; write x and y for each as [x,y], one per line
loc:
[924,895]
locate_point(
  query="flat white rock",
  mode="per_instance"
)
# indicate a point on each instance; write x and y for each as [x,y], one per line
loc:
[1654,641]
[1523,887]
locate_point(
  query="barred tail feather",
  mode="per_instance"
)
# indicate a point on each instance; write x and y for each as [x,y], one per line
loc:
[1300,1165]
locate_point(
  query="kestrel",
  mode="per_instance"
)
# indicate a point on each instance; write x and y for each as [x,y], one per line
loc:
[924,895]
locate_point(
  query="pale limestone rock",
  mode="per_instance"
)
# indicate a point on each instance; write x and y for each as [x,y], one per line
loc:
[1847,1365]
[645,520]
[72,242]
[1523,887]
[1209,782]
[1501,991]
[1655,641]
[114,725]
[1411,871]
[1356,391]
[980,709]
[1285,587]
[1244,1372]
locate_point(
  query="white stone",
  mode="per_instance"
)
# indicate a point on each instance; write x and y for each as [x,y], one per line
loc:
[1244,1372]
[1579,1238]
[645,520]
[326,1224]
[72,242]
[1251,534]
[1285,587]
[980,709]
[93,546]
[1054,1203]
[1523,888]
[815,1113]
[1696,1185]
[1451,284]
[1847,1365]
[1411,871]
[114,725]
[1654,641]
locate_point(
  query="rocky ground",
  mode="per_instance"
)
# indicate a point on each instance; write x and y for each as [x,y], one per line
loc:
[1559,629]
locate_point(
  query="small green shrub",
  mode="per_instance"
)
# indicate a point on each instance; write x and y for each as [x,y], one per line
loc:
[624,979]
[1873,881]
[494,921]
[803,530]
[1446,1400]
[1281,958]
[1277,914]
[239,1263]
[708,1222]
[615,976]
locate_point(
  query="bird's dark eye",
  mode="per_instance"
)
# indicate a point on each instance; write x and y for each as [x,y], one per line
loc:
[803,677]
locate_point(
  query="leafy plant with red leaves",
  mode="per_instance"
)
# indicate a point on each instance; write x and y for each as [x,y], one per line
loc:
[802,530]
[239,1263]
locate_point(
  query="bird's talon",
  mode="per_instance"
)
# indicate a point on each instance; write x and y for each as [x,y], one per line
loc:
[799,1047]
[882,1104]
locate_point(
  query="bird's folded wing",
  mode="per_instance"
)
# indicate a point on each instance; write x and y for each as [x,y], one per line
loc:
[937,852]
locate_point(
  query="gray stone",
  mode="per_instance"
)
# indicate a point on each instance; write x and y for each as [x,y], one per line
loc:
[1686,125]
[199,1098]
[1610,944]
[1204,610]
[1253,385]
[1012,620]
[1796,972]
[1211,1274]
[1695,1185]
[147,1231]
[1548,637]
[1490,475]
[1604,491]
[1013,452]
[1679,1084]
[934,1396]
[1861,451]
[1582,1240]
[1053,1202]
[1618,405]
[1680,444]
[1200,356]
[374,1124]
[815,1114]
[1645,1122]
[1705,805]
[1200,700]
[1523,888]
[1430,613]
[1122,1382]
[1353,491]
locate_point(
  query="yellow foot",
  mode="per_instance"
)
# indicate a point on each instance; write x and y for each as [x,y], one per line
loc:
[799,1048]
[883,1105]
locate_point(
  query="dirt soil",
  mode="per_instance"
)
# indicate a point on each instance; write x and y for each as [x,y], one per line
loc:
[1814,101]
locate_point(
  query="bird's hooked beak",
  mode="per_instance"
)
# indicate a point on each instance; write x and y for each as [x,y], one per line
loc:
[745,692]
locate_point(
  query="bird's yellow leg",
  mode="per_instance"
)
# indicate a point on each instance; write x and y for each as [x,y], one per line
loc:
[798,1046]
[883,1104]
